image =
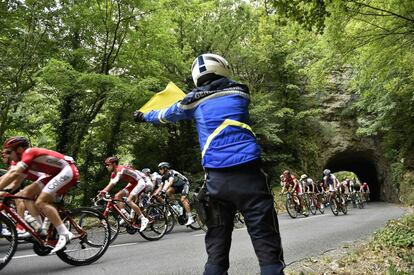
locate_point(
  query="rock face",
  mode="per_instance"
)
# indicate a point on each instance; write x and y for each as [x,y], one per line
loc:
[344,150]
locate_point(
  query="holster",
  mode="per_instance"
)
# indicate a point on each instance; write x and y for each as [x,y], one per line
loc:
[201,202]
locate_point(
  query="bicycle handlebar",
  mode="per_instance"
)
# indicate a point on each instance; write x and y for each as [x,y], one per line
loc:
[98,197]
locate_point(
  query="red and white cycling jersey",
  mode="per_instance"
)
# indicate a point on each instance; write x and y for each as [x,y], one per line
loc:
[290,182]
[32,175]
[61,170]
[129,175]
[43,160]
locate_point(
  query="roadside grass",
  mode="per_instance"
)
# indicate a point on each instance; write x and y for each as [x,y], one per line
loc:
[279,200]
[389,251]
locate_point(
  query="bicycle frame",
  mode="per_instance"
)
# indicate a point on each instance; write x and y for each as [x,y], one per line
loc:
[168,202]
[294,197]
[17,219]
[112,206]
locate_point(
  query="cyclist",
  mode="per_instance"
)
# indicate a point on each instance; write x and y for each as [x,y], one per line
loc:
[63,176]
[365,191]
[291,183]
[16,186]
[330,180]
[174,183]
[307,183]
[137,183]
[156,180]
[354,186]
[343,188]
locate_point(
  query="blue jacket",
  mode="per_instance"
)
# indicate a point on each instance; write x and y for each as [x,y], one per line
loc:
[220,110]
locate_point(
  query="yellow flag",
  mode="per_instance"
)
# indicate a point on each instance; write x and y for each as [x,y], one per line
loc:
[163,99]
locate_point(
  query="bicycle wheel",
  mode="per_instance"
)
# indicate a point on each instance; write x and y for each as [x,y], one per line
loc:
[291,207]
[321,206]
[8,240]
[312,204]
[92,236]
[170,218]
[333,205]
[305,209]
[344,207]
[362,203]
[239,220]
[202,225]
[157,225]
[195,225]
[113,221]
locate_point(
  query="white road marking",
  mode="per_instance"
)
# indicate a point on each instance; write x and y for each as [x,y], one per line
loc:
[34,255]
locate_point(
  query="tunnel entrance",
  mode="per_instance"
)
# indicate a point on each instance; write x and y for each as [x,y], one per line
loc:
[362,164]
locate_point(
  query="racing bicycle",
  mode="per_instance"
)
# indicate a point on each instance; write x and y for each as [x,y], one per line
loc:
[90,228]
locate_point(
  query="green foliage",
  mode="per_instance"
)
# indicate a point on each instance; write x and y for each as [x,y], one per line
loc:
[342,175]
[310,14]
[73,72]
[396,234]
[406,186]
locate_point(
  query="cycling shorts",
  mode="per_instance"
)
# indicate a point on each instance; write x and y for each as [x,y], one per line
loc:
[139,188]
[61,183]
[183,189]
[128,189]
[298,189]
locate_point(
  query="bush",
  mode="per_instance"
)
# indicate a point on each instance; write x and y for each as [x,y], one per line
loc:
[407,189]
[397,234]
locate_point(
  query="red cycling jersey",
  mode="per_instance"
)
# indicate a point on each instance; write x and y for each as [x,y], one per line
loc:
[62,170]
[291,181]
[126,174]
[43,160]
[32,175]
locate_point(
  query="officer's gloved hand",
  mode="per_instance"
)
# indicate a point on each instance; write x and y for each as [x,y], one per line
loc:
[139,116]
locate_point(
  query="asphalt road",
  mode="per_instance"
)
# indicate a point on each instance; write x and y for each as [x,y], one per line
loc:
[182,251]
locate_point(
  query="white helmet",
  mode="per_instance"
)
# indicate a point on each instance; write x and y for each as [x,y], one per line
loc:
[208,66]
[326,172]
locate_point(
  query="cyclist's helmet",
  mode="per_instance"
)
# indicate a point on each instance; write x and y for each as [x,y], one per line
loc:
[146,171]
[164,165]
[112,160]
[14,142]
[326,172]
[304,176]
[208,67]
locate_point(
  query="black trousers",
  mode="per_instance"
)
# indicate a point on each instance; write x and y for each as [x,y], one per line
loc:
[242,188]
